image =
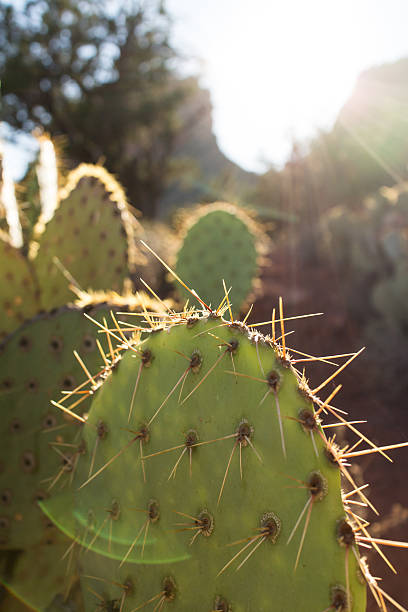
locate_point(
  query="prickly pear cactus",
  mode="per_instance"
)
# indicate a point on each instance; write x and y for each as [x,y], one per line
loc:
[207,482]
[10,222]
[18,291]
[40,443]
[219,241]
[89,241]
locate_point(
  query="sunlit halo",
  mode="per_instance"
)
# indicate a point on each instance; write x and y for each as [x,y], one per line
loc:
[278,71]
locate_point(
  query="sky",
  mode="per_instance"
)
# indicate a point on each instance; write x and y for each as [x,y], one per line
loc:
[278,71]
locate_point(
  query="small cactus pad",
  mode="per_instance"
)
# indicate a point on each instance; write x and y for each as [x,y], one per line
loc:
[90,238]
[18,297]
[40,443]
[220,242]
[213,485]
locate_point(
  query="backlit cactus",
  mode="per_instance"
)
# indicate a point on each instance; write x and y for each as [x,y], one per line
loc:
[220,242]
[37,193]
[232,497]
[88,244]
[90,238]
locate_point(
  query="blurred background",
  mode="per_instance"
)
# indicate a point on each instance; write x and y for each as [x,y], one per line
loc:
[298,111]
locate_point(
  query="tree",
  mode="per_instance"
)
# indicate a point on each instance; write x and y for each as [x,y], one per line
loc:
[104,78]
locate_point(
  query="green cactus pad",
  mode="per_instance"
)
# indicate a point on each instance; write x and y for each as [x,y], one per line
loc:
[213,485]
[40,442]
[219,242]
[44,577]
[18,296]
[91,237]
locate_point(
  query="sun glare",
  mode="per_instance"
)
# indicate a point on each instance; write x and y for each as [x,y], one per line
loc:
[280,70]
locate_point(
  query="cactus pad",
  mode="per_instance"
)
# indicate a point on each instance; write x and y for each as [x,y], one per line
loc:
[213,486]
[91,237]
[40,443]
[18,296]
[220,242]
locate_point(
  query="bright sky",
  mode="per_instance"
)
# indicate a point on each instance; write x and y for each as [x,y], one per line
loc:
[281,70]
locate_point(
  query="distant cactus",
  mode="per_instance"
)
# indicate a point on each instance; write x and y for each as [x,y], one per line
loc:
[220,242]
[91,236]
[371,248]
[37,193]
